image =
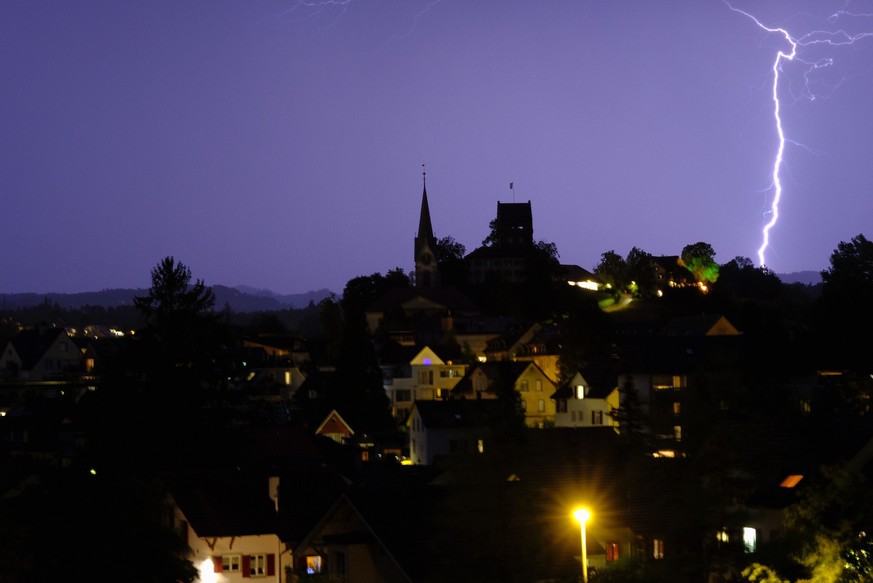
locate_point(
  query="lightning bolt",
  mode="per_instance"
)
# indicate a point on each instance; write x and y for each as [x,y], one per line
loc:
[833,38]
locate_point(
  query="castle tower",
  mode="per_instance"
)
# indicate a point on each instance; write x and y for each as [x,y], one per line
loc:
[426,270]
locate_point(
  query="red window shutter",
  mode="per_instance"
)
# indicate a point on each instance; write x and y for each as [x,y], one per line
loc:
[246,566]
[216,564]
[271,564]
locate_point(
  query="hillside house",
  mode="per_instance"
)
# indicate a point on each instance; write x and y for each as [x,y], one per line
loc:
[587,403]
[41,354]
[534,388]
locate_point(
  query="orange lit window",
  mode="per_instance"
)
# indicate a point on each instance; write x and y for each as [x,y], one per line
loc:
[791,481]
[611,552]
[313,565]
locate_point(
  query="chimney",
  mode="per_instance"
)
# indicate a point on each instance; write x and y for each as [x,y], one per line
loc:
[273,483]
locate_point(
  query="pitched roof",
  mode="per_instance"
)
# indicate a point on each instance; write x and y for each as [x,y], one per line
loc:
[600,378]
[224,503]
[699,325]
[32,344]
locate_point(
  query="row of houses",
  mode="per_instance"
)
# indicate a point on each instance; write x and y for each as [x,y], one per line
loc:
[458,499]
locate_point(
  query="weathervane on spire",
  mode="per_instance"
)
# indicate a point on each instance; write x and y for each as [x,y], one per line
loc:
[423,175]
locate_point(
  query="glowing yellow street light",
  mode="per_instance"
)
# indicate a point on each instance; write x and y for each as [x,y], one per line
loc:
[583,515]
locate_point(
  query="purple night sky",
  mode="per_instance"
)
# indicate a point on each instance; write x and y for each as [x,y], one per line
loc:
[279,143]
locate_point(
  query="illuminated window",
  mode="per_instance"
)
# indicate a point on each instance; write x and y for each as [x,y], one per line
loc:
[480,446]
[313,565]
[257,565]
[722,536]
[677,408]
[677,432]
[791,481]
[611,552]
[230,563]
[750,539]
[443,393]
[658,549]
[662,382]
[580,391]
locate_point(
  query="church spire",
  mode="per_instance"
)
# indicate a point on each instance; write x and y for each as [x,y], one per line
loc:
[426,270]
[425,229]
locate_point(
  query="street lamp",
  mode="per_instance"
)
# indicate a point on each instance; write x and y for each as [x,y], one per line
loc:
[582,515]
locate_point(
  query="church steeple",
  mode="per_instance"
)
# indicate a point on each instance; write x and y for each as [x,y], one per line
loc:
[425,229]
[426,271]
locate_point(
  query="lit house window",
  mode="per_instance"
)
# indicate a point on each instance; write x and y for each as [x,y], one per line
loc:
[231,563]
[658,549]
[611,552]
[677,432]
[313,565]
[257,565]
[750,539]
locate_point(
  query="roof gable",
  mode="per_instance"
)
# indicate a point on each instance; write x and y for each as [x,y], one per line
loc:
[334,424]
[426,357]
[30,345]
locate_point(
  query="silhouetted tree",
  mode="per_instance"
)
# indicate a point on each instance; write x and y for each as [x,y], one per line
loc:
[178,318]
[740,279]
[356,389]
[172,300]
[831,522]
[641,271]
[612,270]
[447,249]
[631,418]
[845,309]
[450,257]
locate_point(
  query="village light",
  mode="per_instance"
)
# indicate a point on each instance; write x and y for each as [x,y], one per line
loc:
[582,515]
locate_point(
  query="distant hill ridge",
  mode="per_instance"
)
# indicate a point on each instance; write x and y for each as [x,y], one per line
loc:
[238,299]
[804,277]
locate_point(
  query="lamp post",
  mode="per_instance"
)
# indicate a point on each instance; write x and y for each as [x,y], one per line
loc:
[582,515]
